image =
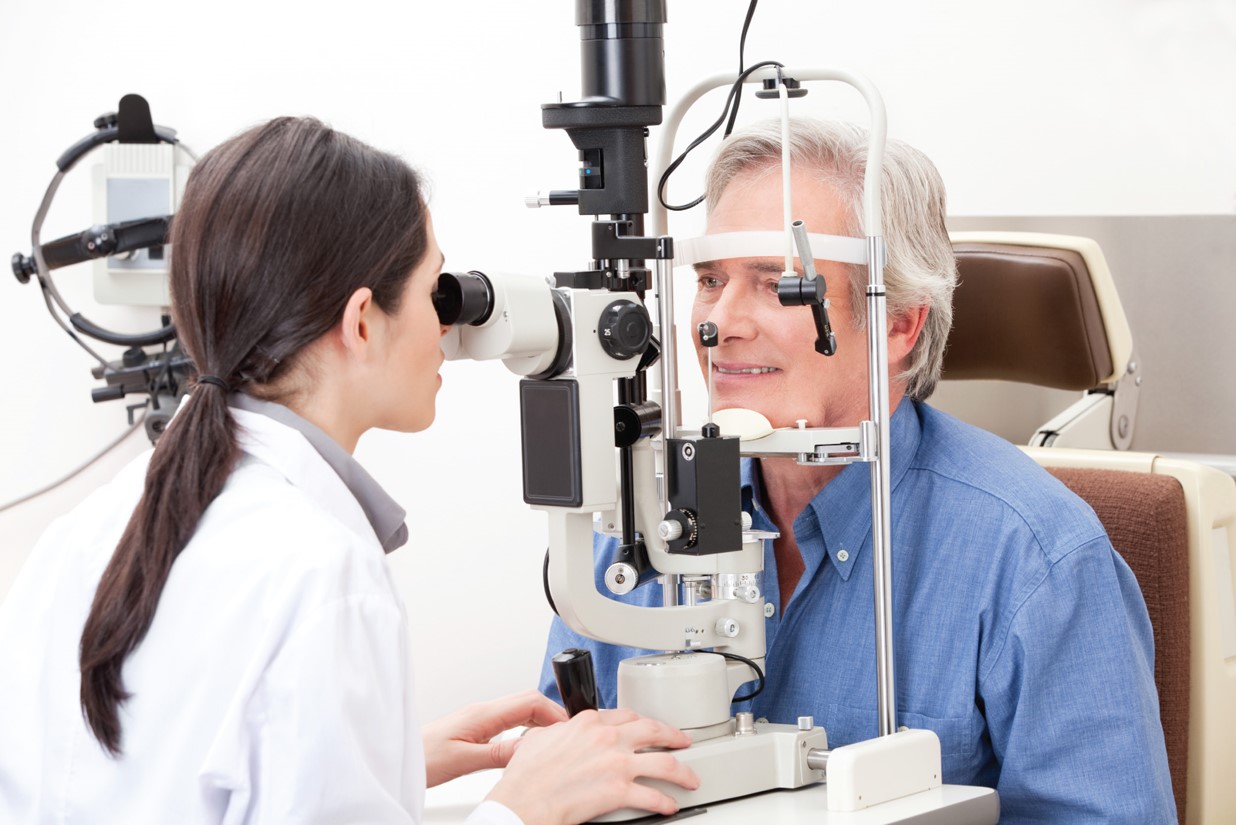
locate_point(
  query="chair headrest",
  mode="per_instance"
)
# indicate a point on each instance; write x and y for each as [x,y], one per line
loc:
[1037,309]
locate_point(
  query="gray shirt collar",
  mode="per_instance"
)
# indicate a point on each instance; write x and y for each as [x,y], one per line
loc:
[385,516]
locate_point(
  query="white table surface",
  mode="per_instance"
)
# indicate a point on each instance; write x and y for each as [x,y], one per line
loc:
[963,805]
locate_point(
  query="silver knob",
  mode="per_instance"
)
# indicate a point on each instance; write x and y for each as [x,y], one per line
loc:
[745,723]
[669,530]
[727,628]
[621,578]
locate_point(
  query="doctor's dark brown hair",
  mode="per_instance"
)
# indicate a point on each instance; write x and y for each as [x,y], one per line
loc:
[278,227]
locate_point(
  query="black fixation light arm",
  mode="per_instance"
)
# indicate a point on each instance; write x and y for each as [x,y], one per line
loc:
[808,290]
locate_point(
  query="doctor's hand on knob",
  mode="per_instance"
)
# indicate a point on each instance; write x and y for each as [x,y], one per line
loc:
[577,770]
[462,742]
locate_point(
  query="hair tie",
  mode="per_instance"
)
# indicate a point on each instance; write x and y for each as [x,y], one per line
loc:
[213,379]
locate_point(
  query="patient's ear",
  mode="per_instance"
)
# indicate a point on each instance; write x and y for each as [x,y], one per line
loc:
[903,332]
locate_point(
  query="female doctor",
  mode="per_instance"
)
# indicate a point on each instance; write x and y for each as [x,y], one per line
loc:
[214,636]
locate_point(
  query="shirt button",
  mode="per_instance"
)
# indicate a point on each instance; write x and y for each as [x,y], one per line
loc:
[842,555]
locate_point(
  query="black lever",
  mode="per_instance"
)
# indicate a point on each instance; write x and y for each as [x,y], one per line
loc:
[808,290]
[577,682]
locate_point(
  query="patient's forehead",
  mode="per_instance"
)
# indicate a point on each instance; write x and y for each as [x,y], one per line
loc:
[755,201]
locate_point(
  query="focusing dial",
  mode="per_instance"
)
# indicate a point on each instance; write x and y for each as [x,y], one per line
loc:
[625,329]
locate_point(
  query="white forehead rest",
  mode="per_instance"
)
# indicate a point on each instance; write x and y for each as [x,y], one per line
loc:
[724,245]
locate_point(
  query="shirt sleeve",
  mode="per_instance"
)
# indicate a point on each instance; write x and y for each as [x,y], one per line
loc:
[1070,699]
[336,739]
[339,741]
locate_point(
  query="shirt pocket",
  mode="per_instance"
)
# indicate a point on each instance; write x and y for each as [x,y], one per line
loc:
[958,736]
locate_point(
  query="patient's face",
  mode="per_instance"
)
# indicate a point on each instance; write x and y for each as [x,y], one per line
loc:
[765,359]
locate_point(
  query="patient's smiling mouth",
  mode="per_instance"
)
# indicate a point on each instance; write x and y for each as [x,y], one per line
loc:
[742,369]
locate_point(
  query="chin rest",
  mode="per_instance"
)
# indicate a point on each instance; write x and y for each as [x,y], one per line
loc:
[1043,309]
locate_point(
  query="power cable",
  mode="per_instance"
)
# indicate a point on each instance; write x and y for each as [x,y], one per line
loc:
[80,469]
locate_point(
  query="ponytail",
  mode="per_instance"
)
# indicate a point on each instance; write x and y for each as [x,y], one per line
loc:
[188,469]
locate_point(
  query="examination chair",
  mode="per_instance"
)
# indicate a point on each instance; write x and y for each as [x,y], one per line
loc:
[1043,310]
[1174,522]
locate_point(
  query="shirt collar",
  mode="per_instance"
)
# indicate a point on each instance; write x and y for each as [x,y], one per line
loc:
[385,516]
[841,512]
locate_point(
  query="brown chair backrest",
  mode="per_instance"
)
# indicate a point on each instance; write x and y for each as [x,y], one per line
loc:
[1145,516]
[1027,314]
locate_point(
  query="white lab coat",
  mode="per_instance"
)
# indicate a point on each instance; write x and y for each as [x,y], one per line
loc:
[273,686]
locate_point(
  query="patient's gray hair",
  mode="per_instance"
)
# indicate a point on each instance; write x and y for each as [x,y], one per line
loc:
[920,270]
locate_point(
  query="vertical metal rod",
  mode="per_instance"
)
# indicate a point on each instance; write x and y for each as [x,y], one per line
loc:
[787,197]
[881,489]
[669,589]
[669,395]
[669,351]
[710,388]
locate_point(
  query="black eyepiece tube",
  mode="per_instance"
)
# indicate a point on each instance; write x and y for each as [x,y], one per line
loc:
[463,298]
[622,50]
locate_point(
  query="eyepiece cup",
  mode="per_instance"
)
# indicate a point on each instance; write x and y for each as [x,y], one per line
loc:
[463,298]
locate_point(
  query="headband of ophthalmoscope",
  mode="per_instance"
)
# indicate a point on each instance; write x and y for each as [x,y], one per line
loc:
[131,124]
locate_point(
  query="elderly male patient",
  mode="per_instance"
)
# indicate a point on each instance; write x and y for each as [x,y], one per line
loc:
[1021,636]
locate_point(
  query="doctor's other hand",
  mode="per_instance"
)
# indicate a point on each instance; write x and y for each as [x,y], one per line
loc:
[581,769]
[460,743]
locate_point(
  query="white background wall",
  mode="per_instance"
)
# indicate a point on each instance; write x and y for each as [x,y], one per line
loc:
[1116,107]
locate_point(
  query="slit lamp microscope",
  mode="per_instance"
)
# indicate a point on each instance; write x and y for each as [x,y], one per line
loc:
[603,448]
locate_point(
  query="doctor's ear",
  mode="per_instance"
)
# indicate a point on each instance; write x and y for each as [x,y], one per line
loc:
[356,327]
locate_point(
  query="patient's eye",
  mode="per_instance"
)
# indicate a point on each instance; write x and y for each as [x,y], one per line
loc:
[708,287]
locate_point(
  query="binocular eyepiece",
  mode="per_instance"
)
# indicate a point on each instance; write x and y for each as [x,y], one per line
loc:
[519,319]
[463,298]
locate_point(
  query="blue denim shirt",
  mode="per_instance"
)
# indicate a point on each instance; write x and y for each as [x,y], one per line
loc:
[1021,636]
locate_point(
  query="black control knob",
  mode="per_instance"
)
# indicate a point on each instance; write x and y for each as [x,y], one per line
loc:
[625,329]
[577,681]
[134,357]
[23,267]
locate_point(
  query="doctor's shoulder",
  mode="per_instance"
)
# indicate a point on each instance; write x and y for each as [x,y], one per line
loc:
[84,538]
[273,528]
